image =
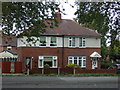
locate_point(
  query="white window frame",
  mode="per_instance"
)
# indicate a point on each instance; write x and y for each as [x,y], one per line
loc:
[42,43]
[55,44]
[83,58]
[9,47]
[71,42]
[82,42]
[42,58]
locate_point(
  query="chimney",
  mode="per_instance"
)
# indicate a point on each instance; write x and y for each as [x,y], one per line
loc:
[58,15]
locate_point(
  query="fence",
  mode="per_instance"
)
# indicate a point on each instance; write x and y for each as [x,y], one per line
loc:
[70,71]
[6,67]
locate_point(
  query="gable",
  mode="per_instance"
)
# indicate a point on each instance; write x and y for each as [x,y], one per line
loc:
[7,54]
[95,54]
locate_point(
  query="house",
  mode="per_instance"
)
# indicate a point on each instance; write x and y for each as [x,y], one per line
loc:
[68,43]
[8,53]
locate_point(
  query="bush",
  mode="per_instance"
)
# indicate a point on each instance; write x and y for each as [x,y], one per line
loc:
[73,65]
[106,64]
[46,66]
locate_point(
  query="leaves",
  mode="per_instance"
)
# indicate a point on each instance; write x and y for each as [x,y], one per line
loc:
[26,15]
[103,17]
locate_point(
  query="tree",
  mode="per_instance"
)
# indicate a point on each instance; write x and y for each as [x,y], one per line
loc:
[28,16]
[100,16]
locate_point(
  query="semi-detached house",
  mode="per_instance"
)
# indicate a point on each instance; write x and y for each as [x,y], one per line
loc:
[68,43]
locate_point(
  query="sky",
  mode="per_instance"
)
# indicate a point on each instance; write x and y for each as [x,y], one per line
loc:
[69,11]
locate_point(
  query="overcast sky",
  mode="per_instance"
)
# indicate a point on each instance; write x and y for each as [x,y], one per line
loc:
[69,11]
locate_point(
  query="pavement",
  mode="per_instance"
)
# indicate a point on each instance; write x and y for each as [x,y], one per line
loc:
[59,82]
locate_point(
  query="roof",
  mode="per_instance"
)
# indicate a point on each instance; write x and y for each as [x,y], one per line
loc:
[8,53]
[69,27]
[9,41]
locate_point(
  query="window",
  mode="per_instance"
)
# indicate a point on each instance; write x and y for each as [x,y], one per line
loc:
[42,41]
[72,42]
[53,41]
[82,42]
[79,60]
[9,48]
[50,60]
[28,59]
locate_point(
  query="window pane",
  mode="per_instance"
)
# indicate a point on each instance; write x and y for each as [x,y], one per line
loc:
[84,62]
[28,60]
[80,58]
[47,58]
[48,62]
[70,61]
[42,39]
[80,42]
[80,61]
[40,63]
[55,61]
[53,39]
[73,41]
[75,61]
[70,57]
[75,58]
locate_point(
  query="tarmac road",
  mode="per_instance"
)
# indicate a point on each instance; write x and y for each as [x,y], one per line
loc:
[59,82]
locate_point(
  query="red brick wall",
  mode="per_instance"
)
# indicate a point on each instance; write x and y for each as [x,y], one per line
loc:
[18,67]
[70,71]
[6,66]
[24,52]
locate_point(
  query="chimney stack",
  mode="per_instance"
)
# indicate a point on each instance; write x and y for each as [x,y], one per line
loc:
[58,15]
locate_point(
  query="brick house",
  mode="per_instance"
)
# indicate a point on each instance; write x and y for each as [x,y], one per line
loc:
[8,53]
[62,45]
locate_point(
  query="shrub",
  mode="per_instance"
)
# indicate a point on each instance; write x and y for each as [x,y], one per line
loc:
[46,66]
[106,64]
[73,65]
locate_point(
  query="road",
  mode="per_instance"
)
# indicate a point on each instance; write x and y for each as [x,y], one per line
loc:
[59,82]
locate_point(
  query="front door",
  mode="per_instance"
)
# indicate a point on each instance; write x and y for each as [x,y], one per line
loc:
[94,63]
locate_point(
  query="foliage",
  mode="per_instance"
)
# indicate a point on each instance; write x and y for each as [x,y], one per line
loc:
[103,17]
[104,52]
[73,65]
[106,64]
[12,71]
[116,50]
[46,66]
[27,17]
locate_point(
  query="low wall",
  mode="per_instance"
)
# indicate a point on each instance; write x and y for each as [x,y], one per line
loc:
[6,67]
[70,71]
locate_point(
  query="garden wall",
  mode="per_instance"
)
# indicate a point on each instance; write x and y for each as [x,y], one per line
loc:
[70,71]
[6,67]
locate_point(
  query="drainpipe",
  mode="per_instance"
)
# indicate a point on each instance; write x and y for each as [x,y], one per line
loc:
[62,50]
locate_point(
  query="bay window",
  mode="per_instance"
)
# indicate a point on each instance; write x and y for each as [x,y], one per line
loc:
[50,60]
[79,60]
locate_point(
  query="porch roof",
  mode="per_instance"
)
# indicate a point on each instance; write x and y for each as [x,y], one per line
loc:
[95,54]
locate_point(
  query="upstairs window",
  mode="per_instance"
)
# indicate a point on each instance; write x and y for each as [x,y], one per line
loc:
[82,42]
[42,41]
[9,48]
[53,41]
[72,42]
